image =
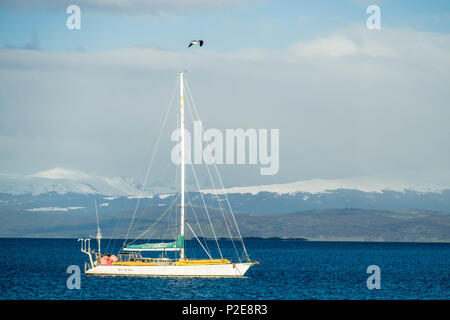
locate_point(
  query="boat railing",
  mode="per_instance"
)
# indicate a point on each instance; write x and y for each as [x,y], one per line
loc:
[86,248]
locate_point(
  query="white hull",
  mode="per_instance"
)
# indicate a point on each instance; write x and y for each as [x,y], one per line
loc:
[213,270]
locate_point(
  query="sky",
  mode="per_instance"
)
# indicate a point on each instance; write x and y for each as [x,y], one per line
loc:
[348,101]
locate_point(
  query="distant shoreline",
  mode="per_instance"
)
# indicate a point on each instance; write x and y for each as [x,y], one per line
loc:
[159,239]
[247,239]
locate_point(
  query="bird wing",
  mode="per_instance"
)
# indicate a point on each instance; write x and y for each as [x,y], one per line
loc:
[201,42]
[190,44]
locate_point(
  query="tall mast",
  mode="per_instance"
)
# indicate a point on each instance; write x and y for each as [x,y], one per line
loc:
[182,257]
[99,234]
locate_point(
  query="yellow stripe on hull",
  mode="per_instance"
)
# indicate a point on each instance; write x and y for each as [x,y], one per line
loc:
[200,262]
[177,263]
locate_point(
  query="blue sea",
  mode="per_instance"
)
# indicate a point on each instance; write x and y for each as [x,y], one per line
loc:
[288,269]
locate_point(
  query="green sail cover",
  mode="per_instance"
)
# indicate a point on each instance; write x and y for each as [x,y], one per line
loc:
[164,245]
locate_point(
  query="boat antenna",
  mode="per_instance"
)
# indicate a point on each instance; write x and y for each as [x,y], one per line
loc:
[99,234]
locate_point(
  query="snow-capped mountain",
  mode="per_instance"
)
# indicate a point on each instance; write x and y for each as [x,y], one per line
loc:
[61,203]
[71,190]
[363,183]
[367,192]
[62,181]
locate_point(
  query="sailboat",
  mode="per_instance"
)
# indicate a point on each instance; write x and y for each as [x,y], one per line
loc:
[131,262]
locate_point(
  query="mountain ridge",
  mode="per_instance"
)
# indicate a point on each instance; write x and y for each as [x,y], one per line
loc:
[62,181]
[351,224]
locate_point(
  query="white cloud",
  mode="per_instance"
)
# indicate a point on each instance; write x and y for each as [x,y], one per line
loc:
[50,209]
[61,173]
[334,47]
[354,43]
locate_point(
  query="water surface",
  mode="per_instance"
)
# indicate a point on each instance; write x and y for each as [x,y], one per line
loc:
[288,269]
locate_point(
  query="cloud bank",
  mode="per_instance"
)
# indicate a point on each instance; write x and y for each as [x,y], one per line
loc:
[351,103]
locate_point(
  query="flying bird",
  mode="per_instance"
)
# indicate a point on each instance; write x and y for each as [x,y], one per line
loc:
[196,42]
